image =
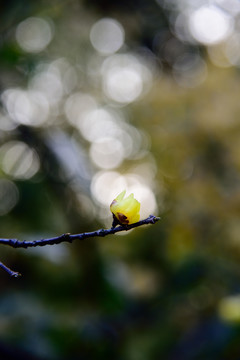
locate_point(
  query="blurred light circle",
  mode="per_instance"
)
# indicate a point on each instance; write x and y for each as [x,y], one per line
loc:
[124,78]
[99,123]
[107,36]
[181,27]
[77,106]
[210,25]
[104,185]
[54,79]
[26,107]
[65,72]
[48,82]
[9,196]
[107,153]
[34,34]
[19,160]
[123,84]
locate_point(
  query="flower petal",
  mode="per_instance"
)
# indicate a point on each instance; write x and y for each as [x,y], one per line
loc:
[126,211]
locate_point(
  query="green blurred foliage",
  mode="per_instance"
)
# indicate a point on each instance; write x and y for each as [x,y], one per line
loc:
[168,291]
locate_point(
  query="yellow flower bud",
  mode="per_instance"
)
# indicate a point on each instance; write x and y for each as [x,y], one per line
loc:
[125,211]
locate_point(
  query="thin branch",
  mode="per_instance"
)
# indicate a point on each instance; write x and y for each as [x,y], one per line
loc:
[9,271]
[70,238]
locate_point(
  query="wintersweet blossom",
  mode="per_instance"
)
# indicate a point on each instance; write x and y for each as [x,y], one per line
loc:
[125,211]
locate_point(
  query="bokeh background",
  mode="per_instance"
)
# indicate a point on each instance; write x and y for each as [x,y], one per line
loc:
[100,96]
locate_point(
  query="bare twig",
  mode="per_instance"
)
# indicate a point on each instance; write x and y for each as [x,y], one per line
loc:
[70,238]
[9,271]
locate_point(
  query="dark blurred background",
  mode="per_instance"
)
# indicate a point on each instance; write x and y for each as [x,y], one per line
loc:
[100,96]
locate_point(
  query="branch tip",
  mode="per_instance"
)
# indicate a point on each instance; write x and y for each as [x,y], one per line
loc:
[12,273]
[154,218]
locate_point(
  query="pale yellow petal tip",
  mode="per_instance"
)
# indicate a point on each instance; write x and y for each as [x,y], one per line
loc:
[121,195]
[126,211]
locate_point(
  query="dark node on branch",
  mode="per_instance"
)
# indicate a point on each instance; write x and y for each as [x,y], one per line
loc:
[101,232]
[115,222]
[69,238]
